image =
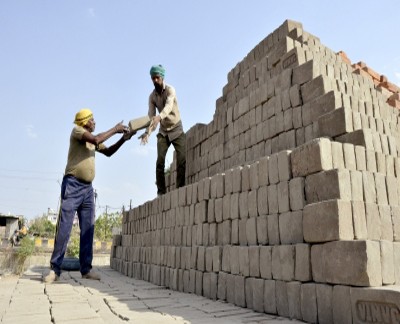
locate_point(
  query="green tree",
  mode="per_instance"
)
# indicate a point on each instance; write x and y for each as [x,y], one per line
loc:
[104,225]
[42,227]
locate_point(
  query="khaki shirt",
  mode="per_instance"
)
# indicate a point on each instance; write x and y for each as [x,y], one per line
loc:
[81,154]
[167,106]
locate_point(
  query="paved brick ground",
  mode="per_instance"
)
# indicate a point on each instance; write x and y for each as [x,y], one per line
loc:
[113,299]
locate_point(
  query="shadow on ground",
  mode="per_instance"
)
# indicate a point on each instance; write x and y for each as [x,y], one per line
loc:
[120,299]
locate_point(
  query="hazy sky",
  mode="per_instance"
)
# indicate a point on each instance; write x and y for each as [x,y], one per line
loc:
[57,57]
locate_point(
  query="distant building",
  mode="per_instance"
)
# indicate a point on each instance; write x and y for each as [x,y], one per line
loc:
[8,224]
[52,216]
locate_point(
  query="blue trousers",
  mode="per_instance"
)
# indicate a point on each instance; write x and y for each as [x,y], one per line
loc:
[76,197]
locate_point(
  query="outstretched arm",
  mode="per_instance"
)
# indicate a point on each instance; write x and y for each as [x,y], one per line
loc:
[102,137]
[108,151]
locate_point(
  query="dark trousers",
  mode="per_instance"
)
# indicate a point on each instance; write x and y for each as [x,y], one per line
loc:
[76,197]
[163,144]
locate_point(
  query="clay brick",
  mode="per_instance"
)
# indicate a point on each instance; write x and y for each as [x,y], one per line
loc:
[291,227]
[273,171]
[226,207]
[309,309]
[325,105]
[222,282]
[263,172]
[282,304]
[311,157]
[254,176]
[344,57]
[283,196]
[270,296]
[294,299]
[362,137]
[336,123]
[359,220]
[387,260]
[262,200]
[235,232]
[266,262]
[245,174]
[339,186]
[243,205]
[258,295]
[386,223]
[361,259]
[254,257]
[327,221]
[306,72]
[303,262]
[315,88]
[262,229]
[244,264]
[273,229]
[324,303]
[251,231]
[297,193]
[337,155]
[252,203]
[341,305]
[234,259]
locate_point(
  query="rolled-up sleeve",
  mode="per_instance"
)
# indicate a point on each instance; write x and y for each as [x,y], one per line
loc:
[169,103]
[152,106]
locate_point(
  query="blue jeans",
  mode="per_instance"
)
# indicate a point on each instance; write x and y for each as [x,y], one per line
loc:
[76,197]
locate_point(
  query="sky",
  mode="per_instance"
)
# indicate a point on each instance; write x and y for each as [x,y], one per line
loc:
[57,57]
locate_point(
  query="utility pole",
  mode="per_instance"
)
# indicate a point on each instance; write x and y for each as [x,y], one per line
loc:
[106,224]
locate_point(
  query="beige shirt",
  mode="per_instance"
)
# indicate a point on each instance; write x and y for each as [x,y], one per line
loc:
[167,106]
[81,156]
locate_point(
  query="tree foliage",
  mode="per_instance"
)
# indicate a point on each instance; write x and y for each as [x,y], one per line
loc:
[42,227]
[104,225]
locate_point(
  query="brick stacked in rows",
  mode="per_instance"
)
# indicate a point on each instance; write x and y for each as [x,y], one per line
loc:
[292,199]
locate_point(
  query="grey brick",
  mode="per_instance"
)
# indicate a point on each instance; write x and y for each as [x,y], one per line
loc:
[291,227]
[328,220]
[273,229]
[311,157]
[266,262]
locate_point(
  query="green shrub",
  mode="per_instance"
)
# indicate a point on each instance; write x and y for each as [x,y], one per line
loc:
[73,247]
[25,250]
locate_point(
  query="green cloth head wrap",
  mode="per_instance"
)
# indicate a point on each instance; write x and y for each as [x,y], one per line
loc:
[157,70]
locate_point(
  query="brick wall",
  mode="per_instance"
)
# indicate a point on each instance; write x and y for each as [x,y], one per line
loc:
[292,196]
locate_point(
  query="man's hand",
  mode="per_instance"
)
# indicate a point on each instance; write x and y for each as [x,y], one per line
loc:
[144,139]
[128,135]
[121,128]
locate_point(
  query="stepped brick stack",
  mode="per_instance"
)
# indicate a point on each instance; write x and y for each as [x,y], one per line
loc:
[292,199]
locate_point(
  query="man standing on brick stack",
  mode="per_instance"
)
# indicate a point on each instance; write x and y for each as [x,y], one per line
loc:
[163,98]
[77,194]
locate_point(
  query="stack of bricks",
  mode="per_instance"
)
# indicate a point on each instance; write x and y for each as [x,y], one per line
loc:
[292,199]
[388,89]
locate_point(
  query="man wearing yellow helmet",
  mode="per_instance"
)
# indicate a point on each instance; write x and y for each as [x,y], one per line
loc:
[77,195]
